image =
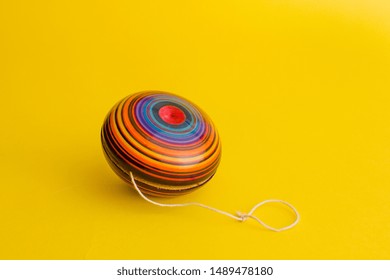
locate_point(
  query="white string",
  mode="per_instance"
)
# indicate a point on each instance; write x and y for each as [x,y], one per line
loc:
[242,217]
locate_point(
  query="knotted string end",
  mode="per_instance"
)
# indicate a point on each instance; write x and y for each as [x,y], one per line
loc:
[242,217]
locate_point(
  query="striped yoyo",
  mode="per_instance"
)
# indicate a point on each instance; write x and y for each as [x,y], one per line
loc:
[168,144]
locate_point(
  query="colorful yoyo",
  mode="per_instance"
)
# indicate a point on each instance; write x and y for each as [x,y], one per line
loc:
[170,146]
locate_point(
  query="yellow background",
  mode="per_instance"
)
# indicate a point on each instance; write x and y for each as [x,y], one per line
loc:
[300,93]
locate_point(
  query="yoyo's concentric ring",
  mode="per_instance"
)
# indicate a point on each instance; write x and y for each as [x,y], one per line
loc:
[167,142]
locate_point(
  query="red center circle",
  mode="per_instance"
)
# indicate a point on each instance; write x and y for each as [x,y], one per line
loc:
[172,115]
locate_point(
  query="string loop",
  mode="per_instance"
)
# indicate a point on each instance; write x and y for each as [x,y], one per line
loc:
[242,217]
